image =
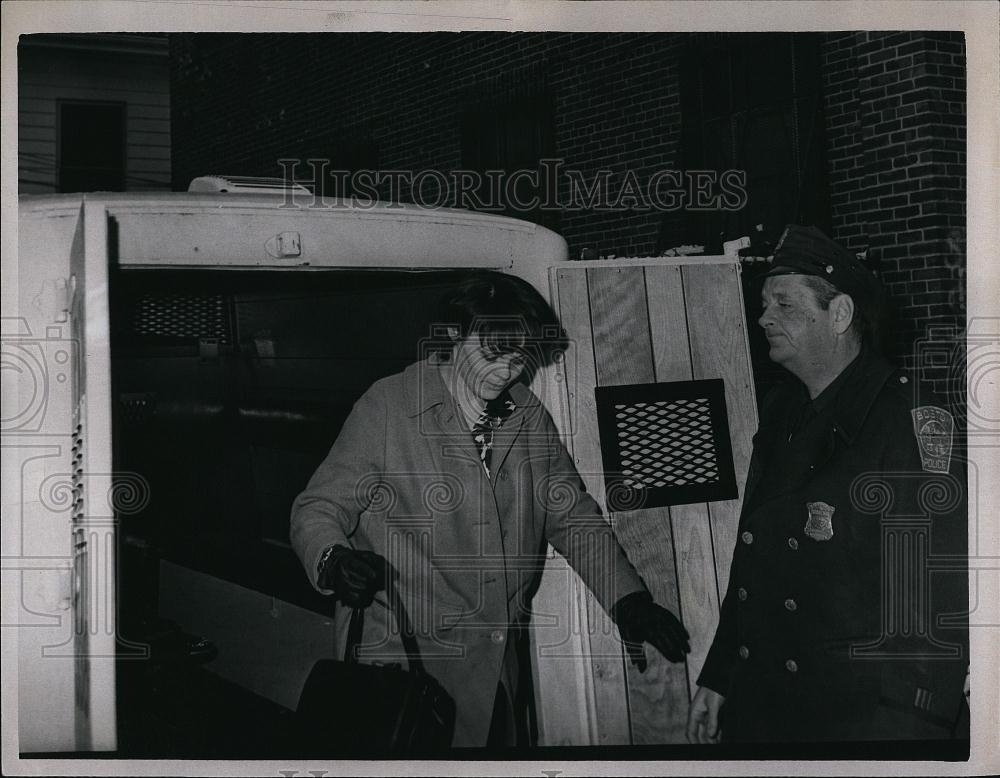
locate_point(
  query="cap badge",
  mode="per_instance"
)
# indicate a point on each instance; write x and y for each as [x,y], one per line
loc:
[820,523]
[829,269]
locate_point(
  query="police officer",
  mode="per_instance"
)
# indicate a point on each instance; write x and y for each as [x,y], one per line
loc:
[829,629]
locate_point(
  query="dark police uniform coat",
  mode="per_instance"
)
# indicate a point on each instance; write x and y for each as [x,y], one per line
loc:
[404,479]
[828,629]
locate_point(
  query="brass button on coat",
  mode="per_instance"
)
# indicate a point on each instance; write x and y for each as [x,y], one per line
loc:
[793,544]
[497,636]
[791,605]
[744,652]
[791,666]
[742,594]
[747,537]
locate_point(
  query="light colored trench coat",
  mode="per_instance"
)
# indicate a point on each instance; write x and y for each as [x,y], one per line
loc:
[404,480]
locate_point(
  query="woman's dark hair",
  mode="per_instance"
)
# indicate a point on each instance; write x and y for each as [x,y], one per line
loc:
[508,315]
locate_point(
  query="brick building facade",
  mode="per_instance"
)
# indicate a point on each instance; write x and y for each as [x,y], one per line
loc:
[895,107]
[860,133]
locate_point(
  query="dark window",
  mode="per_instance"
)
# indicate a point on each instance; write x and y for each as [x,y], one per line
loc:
[752,102]
[91,147]
[510,130]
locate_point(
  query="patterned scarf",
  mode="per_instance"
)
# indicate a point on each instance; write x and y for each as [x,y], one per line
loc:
[496,412]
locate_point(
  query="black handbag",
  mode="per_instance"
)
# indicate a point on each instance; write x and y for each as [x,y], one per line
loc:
[350,709]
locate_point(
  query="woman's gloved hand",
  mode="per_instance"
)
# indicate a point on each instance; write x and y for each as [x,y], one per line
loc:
[639,620]
[353,575]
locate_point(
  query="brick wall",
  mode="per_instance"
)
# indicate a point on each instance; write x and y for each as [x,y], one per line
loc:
[895,107]
[242,102]
[894,114]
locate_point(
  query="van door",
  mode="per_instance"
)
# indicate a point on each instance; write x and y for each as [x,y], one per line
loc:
[93,510]
[58,515]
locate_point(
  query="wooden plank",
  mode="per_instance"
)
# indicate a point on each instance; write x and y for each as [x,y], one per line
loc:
[156,115]
[581,377]
[98,91]
[658,698]
[563,686]
[620,325]
[696,575]
[607,671]
[35,119]
[623,350]
[718,349]
[668,324]
[690,524]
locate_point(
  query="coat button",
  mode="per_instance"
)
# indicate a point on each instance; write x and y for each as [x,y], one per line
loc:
[497,636]
[744,652]
[503,475]
[747,537]
[791,605]
[793,544]
[791,666]
[742,594]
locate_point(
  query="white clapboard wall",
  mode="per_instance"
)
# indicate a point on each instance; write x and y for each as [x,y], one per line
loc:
[634,322]
[131,70]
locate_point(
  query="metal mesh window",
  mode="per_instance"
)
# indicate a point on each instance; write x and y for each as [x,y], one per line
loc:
[181,316]
[665,444]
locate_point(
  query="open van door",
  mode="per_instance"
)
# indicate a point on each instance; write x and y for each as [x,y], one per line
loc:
[93,514]
[59,587]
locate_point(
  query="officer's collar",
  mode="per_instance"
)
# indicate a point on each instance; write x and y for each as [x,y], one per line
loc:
[828,397]
[424,388]
[855,397]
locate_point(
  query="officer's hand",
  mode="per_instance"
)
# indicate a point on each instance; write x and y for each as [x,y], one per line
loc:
[354,575]
[703,716]
[640,619]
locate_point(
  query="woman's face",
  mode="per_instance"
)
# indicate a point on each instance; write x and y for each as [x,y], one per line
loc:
[485,373]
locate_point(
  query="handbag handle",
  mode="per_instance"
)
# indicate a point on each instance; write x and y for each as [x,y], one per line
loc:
[395,604]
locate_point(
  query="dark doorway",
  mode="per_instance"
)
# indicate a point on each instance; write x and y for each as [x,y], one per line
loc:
[91,147]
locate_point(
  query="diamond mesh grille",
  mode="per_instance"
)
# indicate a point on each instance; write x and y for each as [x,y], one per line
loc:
[181,316]
[667,443]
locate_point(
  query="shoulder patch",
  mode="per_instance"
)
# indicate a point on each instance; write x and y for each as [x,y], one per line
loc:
[934,428]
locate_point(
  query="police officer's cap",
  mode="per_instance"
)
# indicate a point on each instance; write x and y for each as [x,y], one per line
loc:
[807,251]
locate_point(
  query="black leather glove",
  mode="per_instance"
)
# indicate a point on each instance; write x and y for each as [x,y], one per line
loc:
[354,575]
[639,620]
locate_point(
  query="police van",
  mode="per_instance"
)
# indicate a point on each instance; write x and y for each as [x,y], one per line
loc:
[176,366]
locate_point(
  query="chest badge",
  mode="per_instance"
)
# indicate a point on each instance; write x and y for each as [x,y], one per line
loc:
[820,523]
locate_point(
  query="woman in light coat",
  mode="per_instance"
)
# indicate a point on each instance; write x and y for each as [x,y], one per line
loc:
[450,477]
